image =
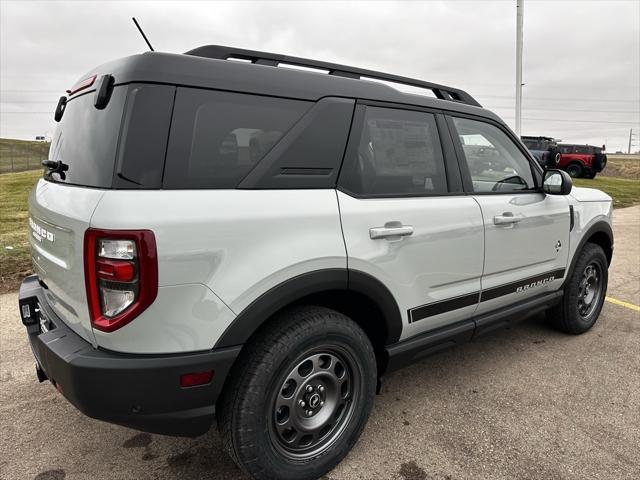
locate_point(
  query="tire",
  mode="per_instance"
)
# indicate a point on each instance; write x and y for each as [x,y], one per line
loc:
[579,309]
[553,158]
[259,415]
[574,170]
[590,175]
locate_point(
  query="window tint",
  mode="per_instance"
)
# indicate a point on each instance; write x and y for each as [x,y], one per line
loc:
[218,137]
[398,154]
[86,139]
[143,141]
[495,162]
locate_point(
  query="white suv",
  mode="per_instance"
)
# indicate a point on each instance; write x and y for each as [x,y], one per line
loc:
[237,240]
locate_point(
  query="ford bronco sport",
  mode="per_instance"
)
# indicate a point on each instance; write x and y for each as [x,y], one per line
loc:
[582,160]
[239,241]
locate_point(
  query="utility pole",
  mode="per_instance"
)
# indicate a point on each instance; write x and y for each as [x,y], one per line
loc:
[519,21]
[630,135]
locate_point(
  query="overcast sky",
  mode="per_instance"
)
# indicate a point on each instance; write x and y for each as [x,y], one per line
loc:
[581,59]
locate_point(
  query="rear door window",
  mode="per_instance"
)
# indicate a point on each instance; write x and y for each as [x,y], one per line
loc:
[399,154]
[218,137]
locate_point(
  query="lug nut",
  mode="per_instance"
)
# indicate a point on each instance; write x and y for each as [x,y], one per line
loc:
[309,412]
[302,404]
[309,388]
[321,389]
[321,404]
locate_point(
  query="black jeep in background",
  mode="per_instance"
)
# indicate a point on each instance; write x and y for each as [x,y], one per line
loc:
[544,149]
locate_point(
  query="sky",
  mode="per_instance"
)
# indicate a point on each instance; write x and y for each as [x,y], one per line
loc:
[581,64]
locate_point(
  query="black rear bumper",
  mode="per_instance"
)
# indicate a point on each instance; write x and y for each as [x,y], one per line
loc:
[137,391]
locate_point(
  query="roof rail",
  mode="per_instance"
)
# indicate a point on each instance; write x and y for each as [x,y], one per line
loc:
[273,59]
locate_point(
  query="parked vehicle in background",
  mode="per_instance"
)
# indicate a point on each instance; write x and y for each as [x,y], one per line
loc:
[582,160]
[544,149]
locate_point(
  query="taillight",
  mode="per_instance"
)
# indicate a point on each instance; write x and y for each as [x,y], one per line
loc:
[121,275]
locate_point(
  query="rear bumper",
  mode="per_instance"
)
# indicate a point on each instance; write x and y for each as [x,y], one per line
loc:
[137,391]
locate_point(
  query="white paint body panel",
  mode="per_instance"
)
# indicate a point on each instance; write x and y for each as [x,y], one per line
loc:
[65,212]
[442,259]
[237,243]
[219,250]
[524,249]
[183,318]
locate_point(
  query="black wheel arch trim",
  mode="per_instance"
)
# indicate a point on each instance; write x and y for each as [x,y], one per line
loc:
[291,290]
[598,227]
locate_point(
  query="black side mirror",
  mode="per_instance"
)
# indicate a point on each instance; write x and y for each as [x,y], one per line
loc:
[557,182]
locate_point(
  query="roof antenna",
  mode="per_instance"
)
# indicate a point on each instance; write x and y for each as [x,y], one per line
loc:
[142,33]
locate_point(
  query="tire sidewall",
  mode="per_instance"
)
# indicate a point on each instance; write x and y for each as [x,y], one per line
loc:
[331,334]
[591,254]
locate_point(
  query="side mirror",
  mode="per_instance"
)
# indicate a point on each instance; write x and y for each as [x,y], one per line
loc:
[557,182]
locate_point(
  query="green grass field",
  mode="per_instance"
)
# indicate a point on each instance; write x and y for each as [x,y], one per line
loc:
[14,247]
[625,191]
[15,187]
[21,155]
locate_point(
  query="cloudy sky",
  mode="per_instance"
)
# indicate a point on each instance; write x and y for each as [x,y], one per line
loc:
[581,59]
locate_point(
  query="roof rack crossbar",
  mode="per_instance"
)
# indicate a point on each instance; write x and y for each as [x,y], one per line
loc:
[273,59]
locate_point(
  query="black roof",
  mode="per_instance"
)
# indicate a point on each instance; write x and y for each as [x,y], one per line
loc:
[209,67]
[532,137]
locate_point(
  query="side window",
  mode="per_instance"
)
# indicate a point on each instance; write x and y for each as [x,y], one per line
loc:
[495,162]
[218,137]
[398,153]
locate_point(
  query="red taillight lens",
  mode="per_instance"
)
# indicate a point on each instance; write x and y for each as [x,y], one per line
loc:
[196,378]
[116,270]
[121,275]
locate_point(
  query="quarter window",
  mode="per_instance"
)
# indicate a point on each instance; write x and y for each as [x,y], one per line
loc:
[218,137]
[398,154]
[495,163]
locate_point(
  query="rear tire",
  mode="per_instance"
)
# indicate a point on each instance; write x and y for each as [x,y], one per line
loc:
[584,292]
[299,396]
[574,170]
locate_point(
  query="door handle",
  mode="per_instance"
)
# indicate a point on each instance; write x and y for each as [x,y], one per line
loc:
[507,218]
[391,229]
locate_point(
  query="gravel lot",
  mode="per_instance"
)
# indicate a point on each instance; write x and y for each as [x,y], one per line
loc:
[525,402]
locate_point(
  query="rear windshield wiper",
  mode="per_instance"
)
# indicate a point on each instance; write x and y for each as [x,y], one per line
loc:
[55,167]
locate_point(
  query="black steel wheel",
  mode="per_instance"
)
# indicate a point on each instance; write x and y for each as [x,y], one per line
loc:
[315,402]
[590,290]
[584,292]
[299,395]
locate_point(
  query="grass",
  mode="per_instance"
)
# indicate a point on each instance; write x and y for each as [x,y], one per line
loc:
[625,191]
[20,155]
[623,166]
[15,261]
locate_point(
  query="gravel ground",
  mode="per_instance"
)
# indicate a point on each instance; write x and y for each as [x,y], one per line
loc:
[526,402]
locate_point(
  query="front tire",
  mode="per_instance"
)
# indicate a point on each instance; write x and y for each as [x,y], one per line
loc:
[584,292]
[575,170]
[299,396]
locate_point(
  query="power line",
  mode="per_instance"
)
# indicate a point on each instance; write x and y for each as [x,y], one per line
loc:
[564,109]
[573,120]
[566,99]
[26,113]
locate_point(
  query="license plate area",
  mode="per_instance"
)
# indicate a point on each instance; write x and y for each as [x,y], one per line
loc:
[33,315]
[46,325]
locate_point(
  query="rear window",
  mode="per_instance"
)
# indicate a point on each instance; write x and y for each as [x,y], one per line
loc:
[218,137]
[87,138]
